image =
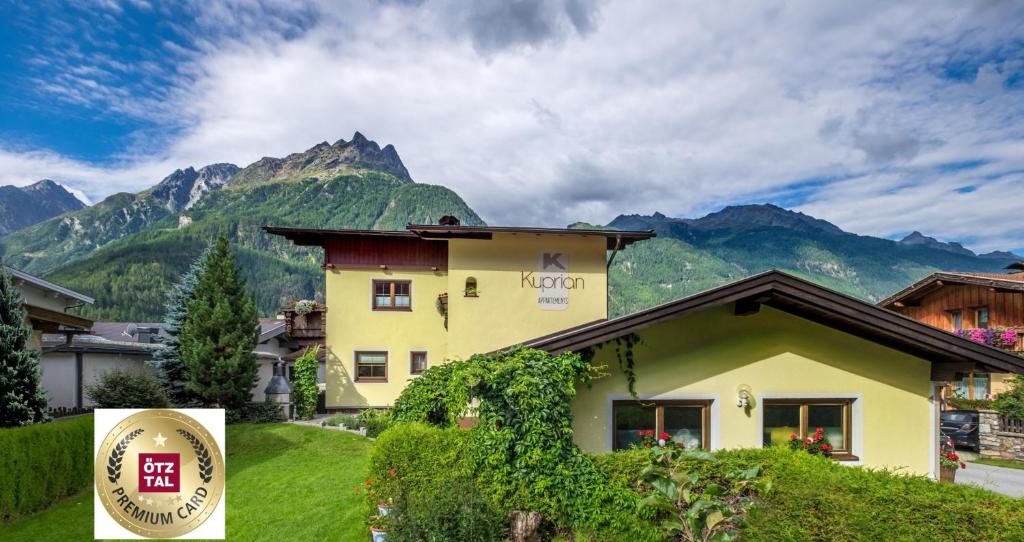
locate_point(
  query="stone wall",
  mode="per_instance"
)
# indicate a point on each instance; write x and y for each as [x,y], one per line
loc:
[995,441]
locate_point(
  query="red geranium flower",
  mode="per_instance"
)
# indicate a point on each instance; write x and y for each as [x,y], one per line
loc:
[793,437]
[648,445]
[650,432]
[665,436]
[819,430]
[640,433]
[963,465]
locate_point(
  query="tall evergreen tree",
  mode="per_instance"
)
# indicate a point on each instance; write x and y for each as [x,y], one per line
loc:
[170,369]
[220,332]
[22,399]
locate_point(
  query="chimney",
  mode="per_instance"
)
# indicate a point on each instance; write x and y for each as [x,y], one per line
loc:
[279,392]
[449,220]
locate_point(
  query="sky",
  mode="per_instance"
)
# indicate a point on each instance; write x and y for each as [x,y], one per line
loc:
[881,117]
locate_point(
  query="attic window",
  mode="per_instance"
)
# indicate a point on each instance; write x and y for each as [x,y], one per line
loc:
[471,290]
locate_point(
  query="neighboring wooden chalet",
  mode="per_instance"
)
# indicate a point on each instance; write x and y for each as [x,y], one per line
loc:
[967,302]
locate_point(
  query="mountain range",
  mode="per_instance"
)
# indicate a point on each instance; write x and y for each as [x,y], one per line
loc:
[26,205]
[127,249]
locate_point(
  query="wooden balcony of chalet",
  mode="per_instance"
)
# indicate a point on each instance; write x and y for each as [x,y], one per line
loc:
[306,329]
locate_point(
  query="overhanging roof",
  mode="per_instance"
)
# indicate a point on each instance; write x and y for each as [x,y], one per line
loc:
[315,237]
[54,318]
[999,281]
[47,285]
[805,299]
[616,239]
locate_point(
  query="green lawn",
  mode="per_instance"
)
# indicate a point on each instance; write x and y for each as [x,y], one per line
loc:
[1008,463]
[284,482]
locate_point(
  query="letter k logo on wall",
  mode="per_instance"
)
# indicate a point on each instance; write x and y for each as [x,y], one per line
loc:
[552,259]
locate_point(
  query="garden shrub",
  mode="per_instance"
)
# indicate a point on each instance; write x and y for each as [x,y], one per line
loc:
[961,403]
[522,450]
[423,473]
[814,498]
[127,389]
[376,421]
[1011,402]
[42,463]
[265,412]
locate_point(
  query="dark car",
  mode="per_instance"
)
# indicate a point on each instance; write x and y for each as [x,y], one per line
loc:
[962,427]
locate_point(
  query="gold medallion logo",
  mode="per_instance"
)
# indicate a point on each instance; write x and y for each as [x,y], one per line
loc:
[159,473]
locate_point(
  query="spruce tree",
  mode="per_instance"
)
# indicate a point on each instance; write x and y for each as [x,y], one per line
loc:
[170,369]
[22,399]
[220,332]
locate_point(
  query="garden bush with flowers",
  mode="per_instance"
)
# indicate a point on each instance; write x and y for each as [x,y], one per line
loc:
[816,444]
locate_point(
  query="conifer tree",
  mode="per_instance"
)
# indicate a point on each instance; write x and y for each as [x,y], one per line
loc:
[170,369]
[22,399]
[220,332]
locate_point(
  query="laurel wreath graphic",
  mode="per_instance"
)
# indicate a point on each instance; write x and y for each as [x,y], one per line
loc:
[202,454]
[117,456]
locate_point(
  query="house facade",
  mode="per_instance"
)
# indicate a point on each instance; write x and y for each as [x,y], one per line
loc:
[987,305]
[401,301]
[751,363]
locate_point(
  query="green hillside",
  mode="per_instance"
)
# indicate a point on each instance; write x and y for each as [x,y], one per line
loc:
[691,255]
[128,277]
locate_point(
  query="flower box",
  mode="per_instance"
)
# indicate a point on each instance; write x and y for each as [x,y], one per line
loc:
[947,475]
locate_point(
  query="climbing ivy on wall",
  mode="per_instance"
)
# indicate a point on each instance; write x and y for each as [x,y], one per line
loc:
[522,448]
[624,346]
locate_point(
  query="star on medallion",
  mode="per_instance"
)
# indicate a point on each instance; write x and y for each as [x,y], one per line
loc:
[160,440]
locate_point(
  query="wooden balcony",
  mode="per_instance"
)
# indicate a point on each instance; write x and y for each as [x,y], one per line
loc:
[306,329]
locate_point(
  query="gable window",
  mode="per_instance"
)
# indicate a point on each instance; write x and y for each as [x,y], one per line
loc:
[392,295]
[801,417]
[981,317]
[686,422]
[417,362]
[371,366]
[956,319]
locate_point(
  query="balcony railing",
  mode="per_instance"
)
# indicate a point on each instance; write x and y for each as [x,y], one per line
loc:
[310,327]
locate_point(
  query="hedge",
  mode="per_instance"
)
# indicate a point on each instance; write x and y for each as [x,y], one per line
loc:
[423,474]
[42,463]
[813,498]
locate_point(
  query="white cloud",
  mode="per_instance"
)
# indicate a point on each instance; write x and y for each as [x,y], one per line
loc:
[569,110]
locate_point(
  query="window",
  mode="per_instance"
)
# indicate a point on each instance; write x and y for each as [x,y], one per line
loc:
[971,386]
[471,290]
[785,417]
[956,319]
[392,295]
[685,421]
[417,362]
[981,317]
[371,366]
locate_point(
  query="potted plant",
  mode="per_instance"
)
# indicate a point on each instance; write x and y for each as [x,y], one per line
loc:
[949,463]
[378,530]
[384,508]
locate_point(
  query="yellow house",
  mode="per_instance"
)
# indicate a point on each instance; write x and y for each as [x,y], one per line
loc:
[401,301]
[751,363]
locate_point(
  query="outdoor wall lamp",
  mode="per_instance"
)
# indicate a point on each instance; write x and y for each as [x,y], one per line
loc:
[744,397]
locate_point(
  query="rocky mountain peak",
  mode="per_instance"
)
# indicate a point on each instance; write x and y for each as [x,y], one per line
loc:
[765,214]
[917,238]
[26,205]
[185,187]
[325,160]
